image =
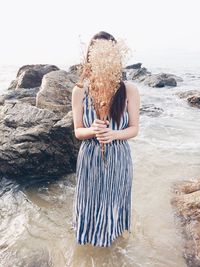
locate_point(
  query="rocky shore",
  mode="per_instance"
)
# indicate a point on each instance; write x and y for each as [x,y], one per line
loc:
[36,123]
[37,135]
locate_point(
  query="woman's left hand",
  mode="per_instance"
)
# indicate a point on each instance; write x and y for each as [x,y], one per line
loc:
[107,136]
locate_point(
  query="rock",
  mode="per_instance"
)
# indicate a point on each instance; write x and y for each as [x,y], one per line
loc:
[74,68]
[29,79]
[20,95]
[194,101]
[134,66]
[141,74]
[13,84]
[137,74]
[55,91]
[36,142]
[160,80]
[192,97]
[151,110]
[30,76]
[188,93]
[124,77]
[186,205]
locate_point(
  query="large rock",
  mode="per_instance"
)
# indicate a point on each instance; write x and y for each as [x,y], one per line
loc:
[36,142]
[192,97]
[55,91]
[141,74]
[186,205]
[20,95]
[161,80]
[194,100]
[30,76]
[74,69]
[136,72]
[186,94]
[134,66]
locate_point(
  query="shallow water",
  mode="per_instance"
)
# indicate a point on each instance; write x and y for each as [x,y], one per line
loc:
[35,217]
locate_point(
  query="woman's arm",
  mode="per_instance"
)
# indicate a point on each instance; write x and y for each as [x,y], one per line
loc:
[133,111]
[81,132]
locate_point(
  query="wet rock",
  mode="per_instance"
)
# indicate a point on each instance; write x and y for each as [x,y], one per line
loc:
[151,110]
[141,74]
[188,93]
[134,66]
[55,91]
[137,74]
[194,101]
[30,76]
[192,97]
[186,205]
[36,125]
[161,80]
[36,141]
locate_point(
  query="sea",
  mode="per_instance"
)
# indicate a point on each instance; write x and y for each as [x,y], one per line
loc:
[35,227]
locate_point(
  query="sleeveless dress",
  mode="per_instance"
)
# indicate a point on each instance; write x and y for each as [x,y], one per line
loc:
[102,199]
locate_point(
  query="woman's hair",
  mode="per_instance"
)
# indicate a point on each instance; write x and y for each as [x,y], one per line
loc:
[118,100]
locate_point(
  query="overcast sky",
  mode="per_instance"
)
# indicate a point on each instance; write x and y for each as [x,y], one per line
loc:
[41,31]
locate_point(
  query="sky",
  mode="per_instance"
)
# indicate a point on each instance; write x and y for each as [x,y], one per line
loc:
[51,32]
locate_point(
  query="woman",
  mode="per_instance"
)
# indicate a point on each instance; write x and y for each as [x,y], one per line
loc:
[102,203]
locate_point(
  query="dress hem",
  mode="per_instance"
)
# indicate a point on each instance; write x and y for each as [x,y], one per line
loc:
[108,244]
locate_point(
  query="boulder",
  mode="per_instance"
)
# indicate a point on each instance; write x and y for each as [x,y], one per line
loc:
[161,80]
[74,68]
[36,142]
[194,100]
[186,204]
[20,95]
[30,76]
[55,91]
[192,97]
[188,93]
[137,74]
[141,74]
[134,66]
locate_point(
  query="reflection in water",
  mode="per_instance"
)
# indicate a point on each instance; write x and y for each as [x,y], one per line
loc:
[35,215]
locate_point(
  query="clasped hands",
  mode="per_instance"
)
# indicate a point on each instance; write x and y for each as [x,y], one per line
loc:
[102,133]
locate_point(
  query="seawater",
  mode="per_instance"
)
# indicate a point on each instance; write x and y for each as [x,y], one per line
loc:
[36,214]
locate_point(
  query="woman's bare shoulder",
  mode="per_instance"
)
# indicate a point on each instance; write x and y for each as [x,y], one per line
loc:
[77,91]
[131,89]
[130,86]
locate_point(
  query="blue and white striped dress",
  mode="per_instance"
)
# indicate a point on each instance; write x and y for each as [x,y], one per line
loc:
[102,202]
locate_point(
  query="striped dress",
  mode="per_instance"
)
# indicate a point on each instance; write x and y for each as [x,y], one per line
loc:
[102,199]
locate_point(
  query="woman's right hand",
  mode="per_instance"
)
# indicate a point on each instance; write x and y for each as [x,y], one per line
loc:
[98,126]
